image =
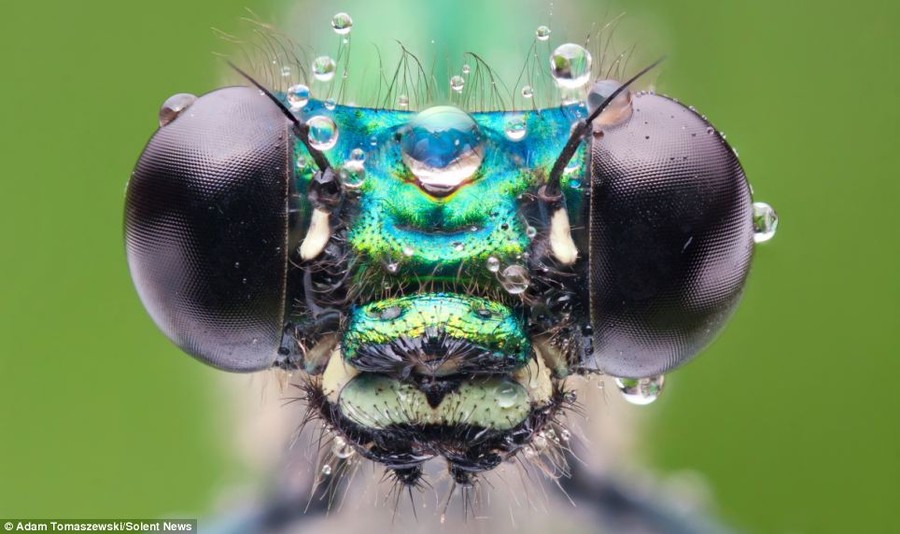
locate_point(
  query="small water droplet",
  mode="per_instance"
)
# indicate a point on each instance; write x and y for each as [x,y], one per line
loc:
[710,130]
[323,134]
[392,267]
[529,452]
[301,163]
[408,251]
[341,23]
[297,96]
[326,470]
[466,69]
[459,247]
[174,106]
[570,66]
[514,279]
[352,174]
[493,264]
[403,101]
[539,442]
[507,395]
[285,72]
[357,154]
[237,265]
[641,391]
[542,33]
[527,92]
[617,111]
[565,435]
[765,222]
[341,449]
[530,231]
[323,68]
[330,104]
[457,83]
[515,128]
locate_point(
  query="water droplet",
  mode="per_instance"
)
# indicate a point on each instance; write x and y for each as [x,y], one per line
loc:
[493,264]
[352,174]
[342,23]
[617,111]
[323,133]
[542,33]
[174,106]
[457,83]
[285,72]
[529,452]
[459,247]
[530,231]
[641,391]
[357,154]
[466,69]
[515,128]
[326,470]
[507,395]
[330,104]
[403,101]
[323,68]
[408,251]
[442,146]
[341,449]
[391,312]
[392,267]
[570,66]
[539,442]
[565,435]
[710,130]
[527,92]
[297,96]
[514,279]
[301,163]
[765,222]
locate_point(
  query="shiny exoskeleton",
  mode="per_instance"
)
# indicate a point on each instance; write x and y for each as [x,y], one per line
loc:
[433,292]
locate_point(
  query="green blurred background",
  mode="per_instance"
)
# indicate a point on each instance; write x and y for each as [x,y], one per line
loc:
[791,415]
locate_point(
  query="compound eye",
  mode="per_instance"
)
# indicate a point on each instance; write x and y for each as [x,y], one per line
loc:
[442,147]
[206,226]
[671,237]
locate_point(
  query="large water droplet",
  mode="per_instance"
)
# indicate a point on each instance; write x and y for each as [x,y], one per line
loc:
[515,128]
[442,147]
[570,65]
[514,279]
[507,395]
[323,68]
[297,96]
[641,391]
[323,133]
[457,83]
[765,222]
[542,33]
[341,23]
[174,106]
[618,110]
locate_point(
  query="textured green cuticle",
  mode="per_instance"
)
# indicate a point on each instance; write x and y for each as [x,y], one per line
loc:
[488,324]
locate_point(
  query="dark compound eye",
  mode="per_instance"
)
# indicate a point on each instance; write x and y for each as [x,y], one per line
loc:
[207,222]
[671,236]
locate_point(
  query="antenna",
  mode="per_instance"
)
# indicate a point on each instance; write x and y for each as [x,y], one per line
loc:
[301,128]
[551,189]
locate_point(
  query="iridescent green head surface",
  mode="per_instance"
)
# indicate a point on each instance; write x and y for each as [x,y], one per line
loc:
[439,275]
